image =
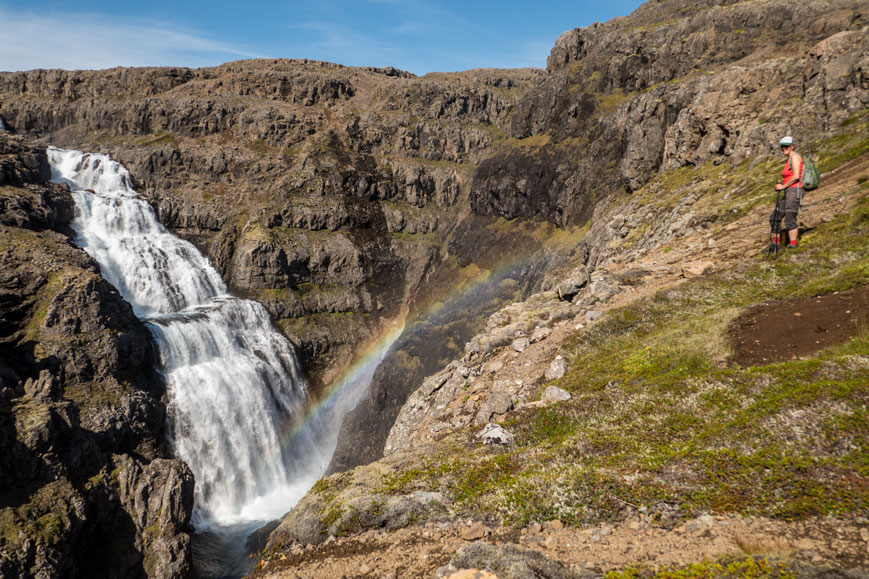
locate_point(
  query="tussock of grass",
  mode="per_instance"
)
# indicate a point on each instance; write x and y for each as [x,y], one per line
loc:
[155,140]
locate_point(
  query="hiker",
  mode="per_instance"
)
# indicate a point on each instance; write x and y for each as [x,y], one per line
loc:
[789,205]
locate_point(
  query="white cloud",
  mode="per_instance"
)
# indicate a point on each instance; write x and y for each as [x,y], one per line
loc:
[96,41]
[347,46]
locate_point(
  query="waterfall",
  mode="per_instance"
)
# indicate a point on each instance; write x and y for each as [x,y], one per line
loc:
[235,388]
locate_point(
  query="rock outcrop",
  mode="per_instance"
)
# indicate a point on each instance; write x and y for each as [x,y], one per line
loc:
[756,93]
[87,485]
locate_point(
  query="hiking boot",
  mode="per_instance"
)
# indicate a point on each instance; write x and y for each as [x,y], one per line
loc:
[791,246]
[773,247]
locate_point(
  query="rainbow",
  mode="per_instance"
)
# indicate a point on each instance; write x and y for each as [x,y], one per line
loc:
[349,387]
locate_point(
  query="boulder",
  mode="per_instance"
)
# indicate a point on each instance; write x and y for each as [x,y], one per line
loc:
[474,532]
[601,291]
[498,403]
[540,334]
[555,394]
[697,268]
[495,434]
[557,369]
[519,344]
[592,315]
[575,281]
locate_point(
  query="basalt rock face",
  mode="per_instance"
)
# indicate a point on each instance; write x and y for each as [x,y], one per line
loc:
[320,190]
[86,487]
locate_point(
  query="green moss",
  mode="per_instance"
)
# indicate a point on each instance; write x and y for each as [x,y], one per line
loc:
[848,143]
[155,140]
[43,300]
[527,144]
[44,519]
[258,146]
[609,102]
[328,487]
[49,528]
[743,568]
[97,394]
[551,426]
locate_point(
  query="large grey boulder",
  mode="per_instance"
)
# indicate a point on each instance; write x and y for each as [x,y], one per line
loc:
[497,404]
[575,281]
[555,394]
[495,434]
[557,369]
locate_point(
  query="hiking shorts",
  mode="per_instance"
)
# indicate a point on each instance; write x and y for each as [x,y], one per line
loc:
[788,207]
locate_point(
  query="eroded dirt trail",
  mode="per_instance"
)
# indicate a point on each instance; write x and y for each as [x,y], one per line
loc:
[786,330]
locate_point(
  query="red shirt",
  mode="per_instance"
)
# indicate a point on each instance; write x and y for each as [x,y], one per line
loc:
[788,173]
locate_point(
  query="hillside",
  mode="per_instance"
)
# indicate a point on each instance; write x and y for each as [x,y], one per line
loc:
[669,451]
[609,210]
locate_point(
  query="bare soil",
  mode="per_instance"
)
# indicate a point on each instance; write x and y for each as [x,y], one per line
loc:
[786,330]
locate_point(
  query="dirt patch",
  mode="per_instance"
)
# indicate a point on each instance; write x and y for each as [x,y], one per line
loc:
[785,330]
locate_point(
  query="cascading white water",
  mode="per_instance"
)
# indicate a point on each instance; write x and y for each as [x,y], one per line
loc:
[234,383]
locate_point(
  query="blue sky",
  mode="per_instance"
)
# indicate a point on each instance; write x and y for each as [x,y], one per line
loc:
[416,35]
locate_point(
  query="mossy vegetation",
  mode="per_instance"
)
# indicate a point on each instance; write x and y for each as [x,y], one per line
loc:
[45,518]
[527,144]
[724,193]
[155,140]
[542,231]
[258,146]
[743,568]
[87,395]
[848,143]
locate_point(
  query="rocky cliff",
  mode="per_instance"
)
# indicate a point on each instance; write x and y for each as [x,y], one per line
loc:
[622,392]
[88,485]
[344,198]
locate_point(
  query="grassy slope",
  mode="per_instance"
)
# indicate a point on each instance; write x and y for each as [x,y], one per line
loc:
[658,424]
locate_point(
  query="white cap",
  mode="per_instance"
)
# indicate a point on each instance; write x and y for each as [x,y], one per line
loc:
[786,141]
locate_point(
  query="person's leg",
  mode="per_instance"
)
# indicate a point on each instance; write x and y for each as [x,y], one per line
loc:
[791,209]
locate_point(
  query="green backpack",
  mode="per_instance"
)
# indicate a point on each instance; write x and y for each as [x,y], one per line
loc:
[810,177]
